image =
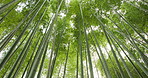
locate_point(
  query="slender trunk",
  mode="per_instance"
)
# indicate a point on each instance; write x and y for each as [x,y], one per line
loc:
[124,63]
[132,27]
[129,59]
[139,64]
[51,56]
[114,54]
[28,43]
[4,7]
[55,57]
[86,64]
[103,59]
[130,38]
[41,66]
[66,60]
[18,39]
[142,9]
[144,58]
[114,68]
[80,50]
[1,20]
[87,45]
[5,41]
[3,76]
[30,59]
[77,65]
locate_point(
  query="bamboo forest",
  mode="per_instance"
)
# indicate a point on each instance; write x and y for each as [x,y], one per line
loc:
[73,38]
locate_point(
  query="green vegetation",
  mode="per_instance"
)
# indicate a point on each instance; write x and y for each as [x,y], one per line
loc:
[73,39]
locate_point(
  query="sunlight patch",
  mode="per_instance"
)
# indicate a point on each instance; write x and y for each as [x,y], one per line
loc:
[72,24]
[20,7]
[62,15]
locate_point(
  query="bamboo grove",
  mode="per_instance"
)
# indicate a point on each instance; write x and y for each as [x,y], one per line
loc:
[73,39]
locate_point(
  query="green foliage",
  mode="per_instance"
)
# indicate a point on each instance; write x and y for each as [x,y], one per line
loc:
[119,21]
